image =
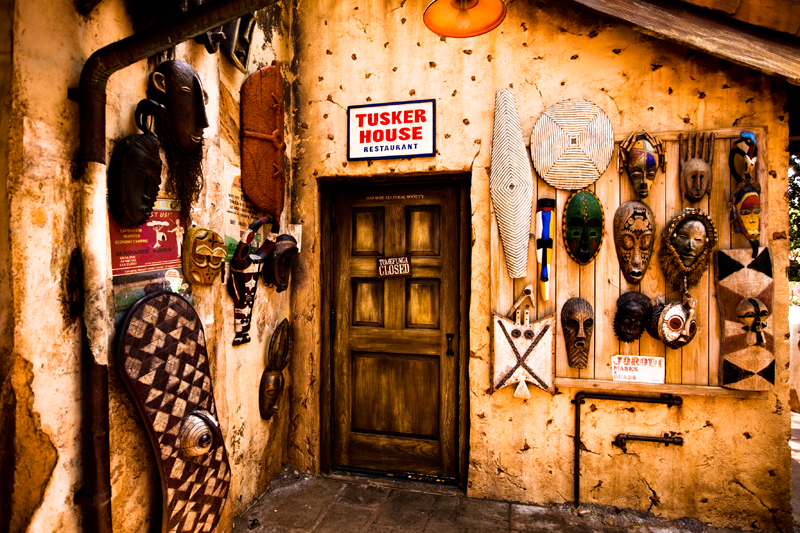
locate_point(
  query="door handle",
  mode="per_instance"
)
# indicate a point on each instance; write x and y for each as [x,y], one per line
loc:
[450,351]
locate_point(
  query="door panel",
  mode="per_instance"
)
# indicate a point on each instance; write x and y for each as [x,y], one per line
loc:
[394,385]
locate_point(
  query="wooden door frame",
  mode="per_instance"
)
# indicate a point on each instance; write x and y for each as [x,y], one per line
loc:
[327,187]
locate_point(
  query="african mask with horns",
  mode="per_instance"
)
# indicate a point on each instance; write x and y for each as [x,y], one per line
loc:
[634,229]
[176,85]
[696,157]
[686,245]
[746,197]
[641,155]
[582,226]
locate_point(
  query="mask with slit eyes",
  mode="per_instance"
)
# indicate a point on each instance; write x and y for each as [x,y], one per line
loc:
[582,226]
[577,323]
[204,255]
[634,226]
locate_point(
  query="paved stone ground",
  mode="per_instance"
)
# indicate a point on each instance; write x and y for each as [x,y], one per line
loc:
[349,504]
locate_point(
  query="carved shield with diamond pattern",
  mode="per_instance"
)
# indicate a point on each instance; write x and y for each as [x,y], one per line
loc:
[746,364]
[162,359]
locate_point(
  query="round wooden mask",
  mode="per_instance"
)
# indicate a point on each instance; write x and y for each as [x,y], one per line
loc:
[582,226]
[571,144]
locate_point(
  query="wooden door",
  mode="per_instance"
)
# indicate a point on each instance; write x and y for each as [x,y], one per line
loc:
[395,401]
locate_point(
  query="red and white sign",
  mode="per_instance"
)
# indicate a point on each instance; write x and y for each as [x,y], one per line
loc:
[393,130]
[638,368]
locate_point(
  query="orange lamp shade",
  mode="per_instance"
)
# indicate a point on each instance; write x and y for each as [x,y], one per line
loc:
[464,18]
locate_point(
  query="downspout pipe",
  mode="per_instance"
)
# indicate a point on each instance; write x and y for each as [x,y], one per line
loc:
[665,399]
[98,313]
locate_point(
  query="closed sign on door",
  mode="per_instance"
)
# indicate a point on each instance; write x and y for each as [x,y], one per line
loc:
[394,267]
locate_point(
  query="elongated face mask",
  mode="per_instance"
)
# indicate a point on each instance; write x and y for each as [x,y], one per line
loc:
[633,311]
[545,235]
[577,323]
[641,155]
[204,255]
[696,156]
[753,314]
[634,226]
[583,226]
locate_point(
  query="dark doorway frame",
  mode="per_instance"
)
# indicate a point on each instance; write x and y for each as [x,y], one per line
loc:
[327,186]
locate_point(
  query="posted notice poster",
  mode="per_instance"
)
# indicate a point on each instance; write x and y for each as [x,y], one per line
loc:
[394,130]
[239,213]
[638,368]
[147,258]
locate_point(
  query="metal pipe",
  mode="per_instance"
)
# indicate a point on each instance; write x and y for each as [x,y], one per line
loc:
[98,311]
[621,440]
[665,399]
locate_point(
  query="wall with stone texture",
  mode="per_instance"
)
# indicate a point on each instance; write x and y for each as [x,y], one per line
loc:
[40,371]
[734,468]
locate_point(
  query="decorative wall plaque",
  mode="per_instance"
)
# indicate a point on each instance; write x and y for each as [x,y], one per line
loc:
[545,243]
[263,176]
[511,184]
[745,289]
[523,349]
[571,144]
[162,360]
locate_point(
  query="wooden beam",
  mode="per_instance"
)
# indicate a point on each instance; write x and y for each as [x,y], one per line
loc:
[734,42]
[657,388]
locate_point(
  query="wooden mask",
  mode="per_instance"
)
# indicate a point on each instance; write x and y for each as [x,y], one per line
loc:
[523,349]
[134,172]
[696,157]
[746,197]
[278,265]
[204,255]
[674,324]
[686,245]
[634,236]
[545,240]
[263,177]
[238,37]
[745,289]
[577,324]
[641,155]
[271,386]
[177,86]
[634,311]
[582,226]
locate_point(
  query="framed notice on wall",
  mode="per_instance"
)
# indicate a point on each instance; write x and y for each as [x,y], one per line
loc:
[394,130]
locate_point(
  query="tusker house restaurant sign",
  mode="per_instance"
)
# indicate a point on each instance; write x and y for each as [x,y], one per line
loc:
[394,130]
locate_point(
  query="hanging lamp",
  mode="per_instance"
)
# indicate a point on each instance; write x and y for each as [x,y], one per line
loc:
[464,18]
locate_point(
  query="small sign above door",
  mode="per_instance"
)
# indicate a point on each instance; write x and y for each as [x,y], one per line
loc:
[394,267]
[392,130]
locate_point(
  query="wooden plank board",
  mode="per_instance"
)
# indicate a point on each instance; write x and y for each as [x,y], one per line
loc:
[719,205]
[672,206]
[654,388]
[567,286]
[626,193]
[776,56]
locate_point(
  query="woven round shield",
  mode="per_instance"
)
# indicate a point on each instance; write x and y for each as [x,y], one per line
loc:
[571,144]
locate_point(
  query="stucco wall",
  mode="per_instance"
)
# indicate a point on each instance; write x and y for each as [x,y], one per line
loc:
[734,469]
[51,43]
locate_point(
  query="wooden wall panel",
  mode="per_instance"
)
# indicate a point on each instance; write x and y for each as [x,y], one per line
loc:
[601,282]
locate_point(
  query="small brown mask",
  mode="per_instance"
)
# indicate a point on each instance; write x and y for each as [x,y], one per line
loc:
[278,266]
[674,324]
[134,172]
[204,255]
[696,157]
[278,354]
[641,155]
[634,235]
[577,323]
[753,314]
[634,310]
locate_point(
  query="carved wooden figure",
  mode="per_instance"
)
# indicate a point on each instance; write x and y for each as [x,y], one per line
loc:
[641,155]
[545,243]
[204,254]
[278,354]
[686,245]
[634,311]
[577,324]
[523,349]
[572,144]
[263,176]
[163,362]
[634,236]
[511,184]
[746,197]
[582,226]
[745,289]
[243,281]
[696,158]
